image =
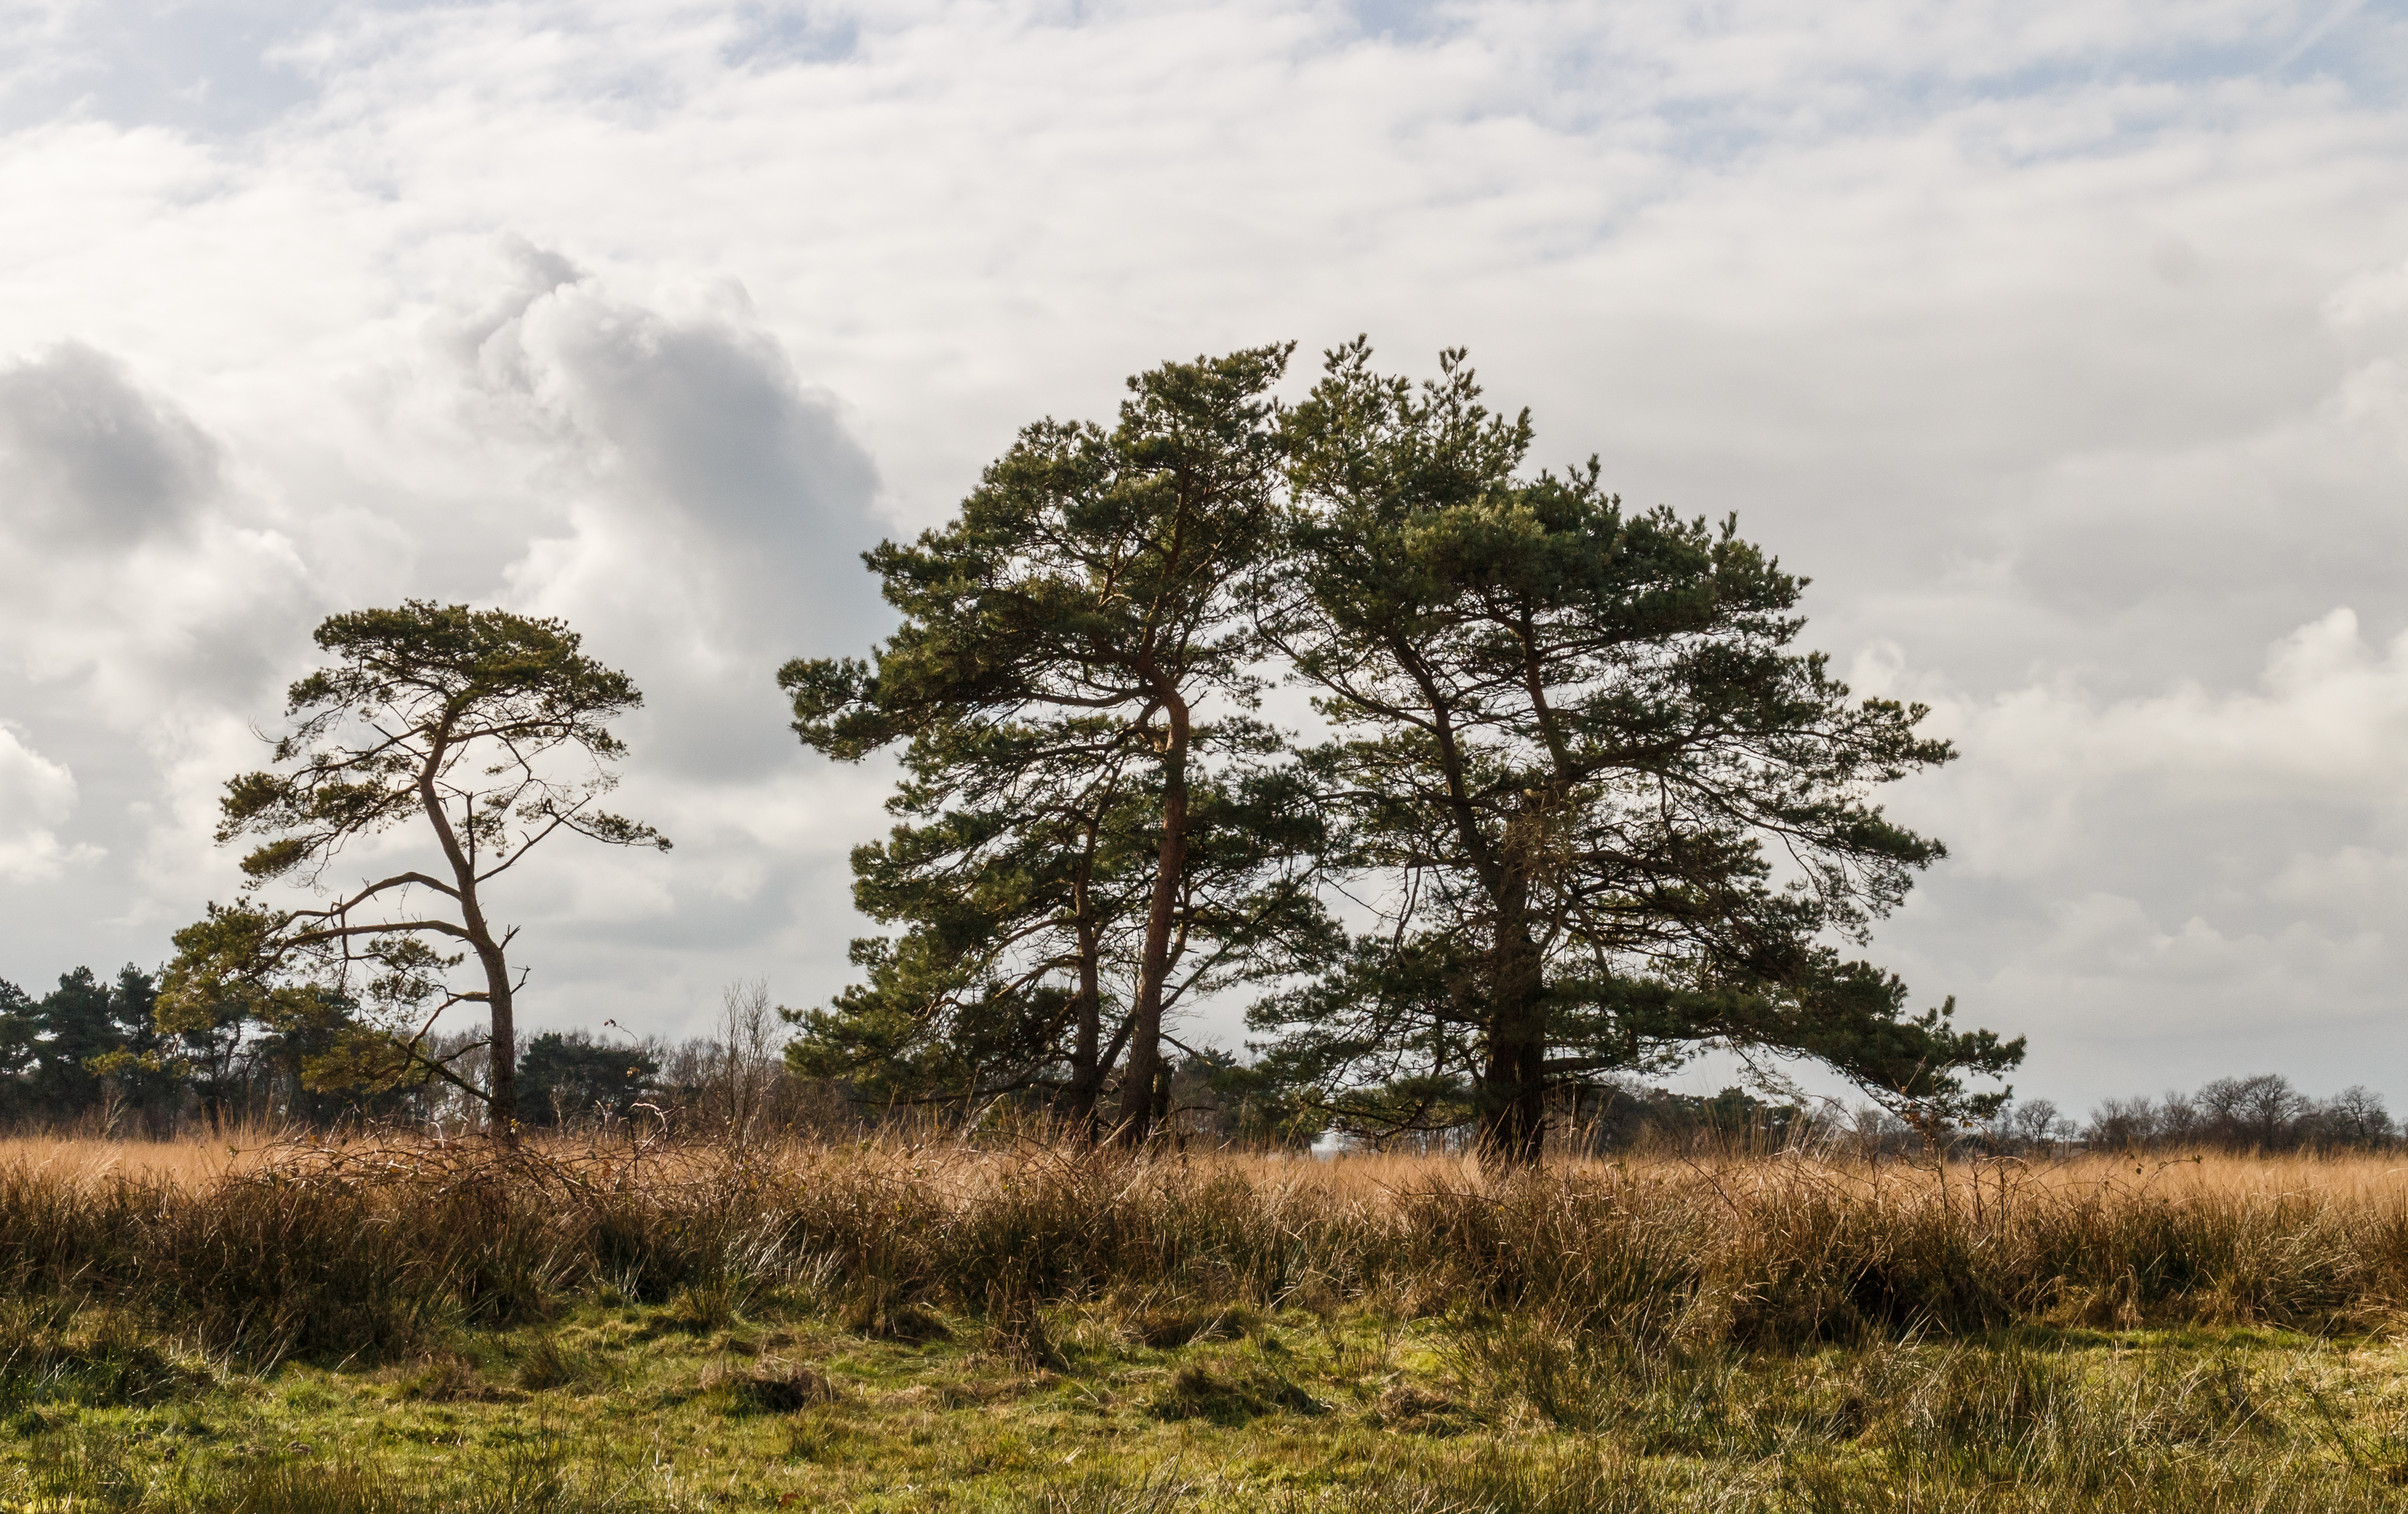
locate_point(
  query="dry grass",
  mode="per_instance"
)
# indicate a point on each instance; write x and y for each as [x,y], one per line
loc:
[190,1162]
[370,1242]
[959,1169]
[841,1324]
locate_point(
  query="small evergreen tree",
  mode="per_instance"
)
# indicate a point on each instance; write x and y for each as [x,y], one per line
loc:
[563,1078]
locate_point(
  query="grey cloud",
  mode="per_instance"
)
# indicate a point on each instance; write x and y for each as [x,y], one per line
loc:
[131,586]
[88,460]
[712,421]
[720,505]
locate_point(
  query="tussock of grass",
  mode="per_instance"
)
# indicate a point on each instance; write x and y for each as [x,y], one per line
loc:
[54,1353]
[547,1364]
[1410,1406]
[1230,1394]
[1166,1324]
[446,1378]
[715,1304]
[1152,1492]
[770,1386]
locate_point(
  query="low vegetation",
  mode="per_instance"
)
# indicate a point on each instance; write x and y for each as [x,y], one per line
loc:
[408,1325]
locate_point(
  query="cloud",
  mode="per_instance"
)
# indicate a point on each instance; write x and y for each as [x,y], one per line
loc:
[127,578]
[686,496]
[2327,724]
[2062,343]
[2185,869]
[36,794]
[696,435]
[90,461]
[205,64]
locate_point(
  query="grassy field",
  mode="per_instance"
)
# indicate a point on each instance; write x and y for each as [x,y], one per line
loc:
[407,1326]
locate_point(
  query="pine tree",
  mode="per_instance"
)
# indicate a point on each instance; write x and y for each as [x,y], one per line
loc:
[1093,590]
[1574,742]
[487,729]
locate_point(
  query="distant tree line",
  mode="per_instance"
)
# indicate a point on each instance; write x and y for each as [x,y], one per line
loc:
[2264,1112]
[93,1053]
[96,1054]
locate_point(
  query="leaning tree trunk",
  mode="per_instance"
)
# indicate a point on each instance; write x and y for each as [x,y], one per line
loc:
[1086,1069]
[501,1051]
[1138,1104]
[502,1061]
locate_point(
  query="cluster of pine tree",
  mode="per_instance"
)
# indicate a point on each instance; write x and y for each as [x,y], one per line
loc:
[99,1055]
[52,1049]
[1567,806]
[1576,807]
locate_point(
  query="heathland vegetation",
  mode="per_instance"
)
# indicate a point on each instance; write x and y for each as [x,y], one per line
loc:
[403,1324]
[983,1231]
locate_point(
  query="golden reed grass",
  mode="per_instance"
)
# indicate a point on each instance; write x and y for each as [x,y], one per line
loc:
[2351,1176]
[188,1163]
[370,1242]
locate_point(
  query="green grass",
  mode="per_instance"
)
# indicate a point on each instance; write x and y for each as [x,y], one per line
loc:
[782,1404]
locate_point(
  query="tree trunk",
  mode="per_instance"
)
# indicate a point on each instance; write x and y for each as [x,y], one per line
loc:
[1136,1117]
[1512,1129]
[502,1071]
[1512,1107]
[502,1061]
[1086,1075]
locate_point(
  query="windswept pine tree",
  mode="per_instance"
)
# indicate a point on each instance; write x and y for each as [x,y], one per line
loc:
[486,729]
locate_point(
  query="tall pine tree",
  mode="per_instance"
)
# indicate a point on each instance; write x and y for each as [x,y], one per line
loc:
[1610,813]
[1093,590]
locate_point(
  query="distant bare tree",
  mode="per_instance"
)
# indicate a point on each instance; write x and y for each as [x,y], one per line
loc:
[2036,1123]
[2354,1117]
[750,1056]
[2122,1125]
[2180,1120]
[2255,1111]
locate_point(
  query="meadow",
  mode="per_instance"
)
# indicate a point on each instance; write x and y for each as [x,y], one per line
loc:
[402,1324]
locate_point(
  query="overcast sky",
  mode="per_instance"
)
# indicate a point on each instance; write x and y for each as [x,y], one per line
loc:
[2059,341]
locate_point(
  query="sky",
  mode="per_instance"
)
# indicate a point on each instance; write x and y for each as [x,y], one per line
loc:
[2063,344]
